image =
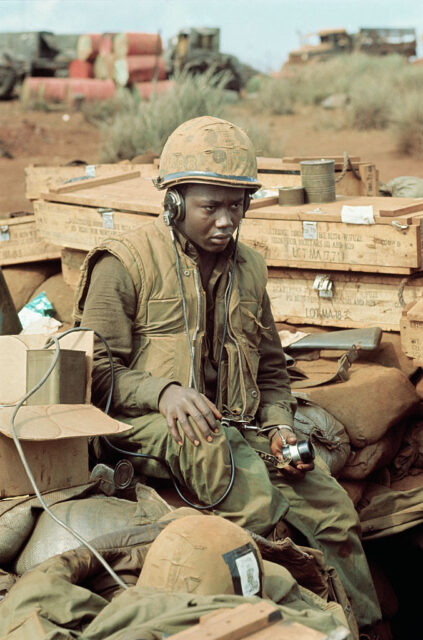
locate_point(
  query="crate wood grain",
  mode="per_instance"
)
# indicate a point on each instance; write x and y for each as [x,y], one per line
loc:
[40,180]
[82,227]
[359,299]
[297,237]
[412,330]
[21,242]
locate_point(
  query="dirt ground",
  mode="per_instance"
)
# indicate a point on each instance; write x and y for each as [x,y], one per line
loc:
[50,138]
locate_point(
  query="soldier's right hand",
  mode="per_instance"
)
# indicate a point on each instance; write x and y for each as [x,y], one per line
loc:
[177,404]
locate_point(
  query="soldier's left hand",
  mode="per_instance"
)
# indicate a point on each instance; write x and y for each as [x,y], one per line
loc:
[276,445]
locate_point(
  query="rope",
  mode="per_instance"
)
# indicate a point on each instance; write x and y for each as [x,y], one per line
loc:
[347,164]
[403,283]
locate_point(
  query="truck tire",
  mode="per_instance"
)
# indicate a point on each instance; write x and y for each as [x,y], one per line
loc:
[7,81]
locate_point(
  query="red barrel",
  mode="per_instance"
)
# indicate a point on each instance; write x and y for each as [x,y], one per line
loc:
[91,88]
[88,45]
[137,44]
[66,89]
[81,69]
[139,69]
[148,89]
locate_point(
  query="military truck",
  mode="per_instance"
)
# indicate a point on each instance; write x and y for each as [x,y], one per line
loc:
[33,53]
[373,41]
[197,50]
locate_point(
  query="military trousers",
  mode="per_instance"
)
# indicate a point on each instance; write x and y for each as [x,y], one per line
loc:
[260,496]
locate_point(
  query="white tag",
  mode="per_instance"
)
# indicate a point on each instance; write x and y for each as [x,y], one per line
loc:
[357,215]
[90,170]
[309,230]
[324,285]
[4,232]
[249,574]
[107,215]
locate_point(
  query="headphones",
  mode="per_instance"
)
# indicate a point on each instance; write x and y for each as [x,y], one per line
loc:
[174,206]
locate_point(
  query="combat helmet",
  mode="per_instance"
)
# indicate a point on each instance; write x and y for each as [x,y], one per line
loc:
[208,150]
[205,555]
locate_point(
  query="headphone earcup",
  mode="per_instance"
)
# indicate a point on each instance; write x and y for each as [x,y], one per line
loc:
[174,204]
[246,203]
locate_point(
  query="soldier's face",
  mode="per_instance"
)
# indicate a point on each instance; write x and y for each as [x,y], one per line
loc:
[212,215]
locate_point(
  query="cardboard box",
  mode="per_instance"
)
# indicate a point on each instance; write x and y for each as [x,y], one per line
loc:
[54,438]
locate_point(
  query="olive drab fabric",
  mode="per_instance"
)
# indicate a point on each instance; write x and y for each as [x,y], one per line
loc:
[159,341]
[210,150]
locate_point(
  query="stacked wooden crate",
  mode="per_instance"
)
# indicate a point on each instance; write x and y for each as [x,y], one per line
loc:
[322,270]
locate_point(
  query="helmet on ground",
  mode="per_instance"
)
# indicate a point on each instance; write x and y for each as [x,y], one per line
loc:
[204,555]
[208,150]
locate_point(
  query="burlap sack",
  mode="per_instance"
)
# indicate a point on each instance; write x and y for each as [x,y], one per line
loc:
[410,454]
[354,488]
[22,280]
[363,462]
[412,480]
[325,432]
[369,403]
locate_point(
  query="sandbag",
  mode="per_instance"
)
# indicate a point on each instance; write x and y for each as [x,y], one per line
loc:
[411,452]
[354,488]
[19,515]
[326,433]
[90,517]
[403,187]
[362,462]
[60,295]
[22,280]
[412,480]
[374,399]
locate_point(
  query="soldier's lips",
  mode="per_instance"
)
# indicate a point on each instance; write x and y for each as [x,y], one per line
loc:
[220,240]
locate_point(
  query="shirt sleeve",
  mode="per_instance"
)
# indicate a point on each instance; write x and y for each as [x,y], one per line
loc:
[277,404]
[110,309]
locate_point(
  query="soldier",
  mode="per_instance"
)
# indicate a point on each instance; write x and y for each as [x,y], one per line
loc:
[199,371]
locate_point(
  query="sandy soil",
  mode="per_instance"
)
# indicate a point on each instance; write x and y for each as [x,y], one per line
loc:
[46,138]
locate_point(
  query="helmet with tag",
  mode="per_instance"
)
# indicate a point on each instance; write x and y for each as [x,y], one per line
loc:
[204,555]
[208,150]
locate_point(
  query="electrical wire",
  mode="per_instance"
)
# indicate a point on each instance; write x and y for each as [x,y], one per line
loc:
[28,471]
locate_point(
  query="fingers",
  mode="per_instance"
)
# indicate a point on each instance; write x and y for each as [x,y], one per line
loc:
[183,406]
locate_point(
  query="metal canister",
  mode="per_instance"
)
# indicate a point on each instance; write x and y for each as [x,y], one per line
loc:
[318,180]
[290,196]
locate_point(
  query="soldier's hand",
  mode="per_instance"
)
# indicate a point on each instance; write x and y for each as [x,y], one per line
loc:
[177,404]
[290,471]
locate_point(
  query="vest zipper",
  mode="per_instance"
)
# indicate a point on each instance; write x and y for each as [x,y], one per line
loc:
[232,337]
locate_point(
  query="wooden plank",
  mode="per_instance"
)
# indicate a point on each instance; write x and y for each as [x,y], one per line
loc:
[301,243]
[71,260]
[20,242]
[233,624]
[337,159]
[138,195]
[41,179]
[81,227]
[359,300]
[90,183]
[412,330]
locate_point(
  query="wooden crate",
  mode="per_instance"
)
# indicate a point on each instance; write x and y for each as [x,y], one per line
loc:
[314,236]
[286,172]
[304,236]
[21,242]
[411,330]
[40,180]
[358,299]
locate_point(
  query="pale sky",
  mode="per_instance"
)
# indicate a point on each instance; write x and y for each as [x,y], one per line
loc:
[259,32]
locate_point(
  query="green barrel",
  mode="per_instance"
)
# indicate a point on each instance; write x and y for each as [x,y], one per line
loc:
[9,321]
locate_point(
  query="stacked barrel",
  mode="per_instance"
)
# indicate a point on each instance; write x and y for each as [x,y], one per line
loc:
[104,62]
